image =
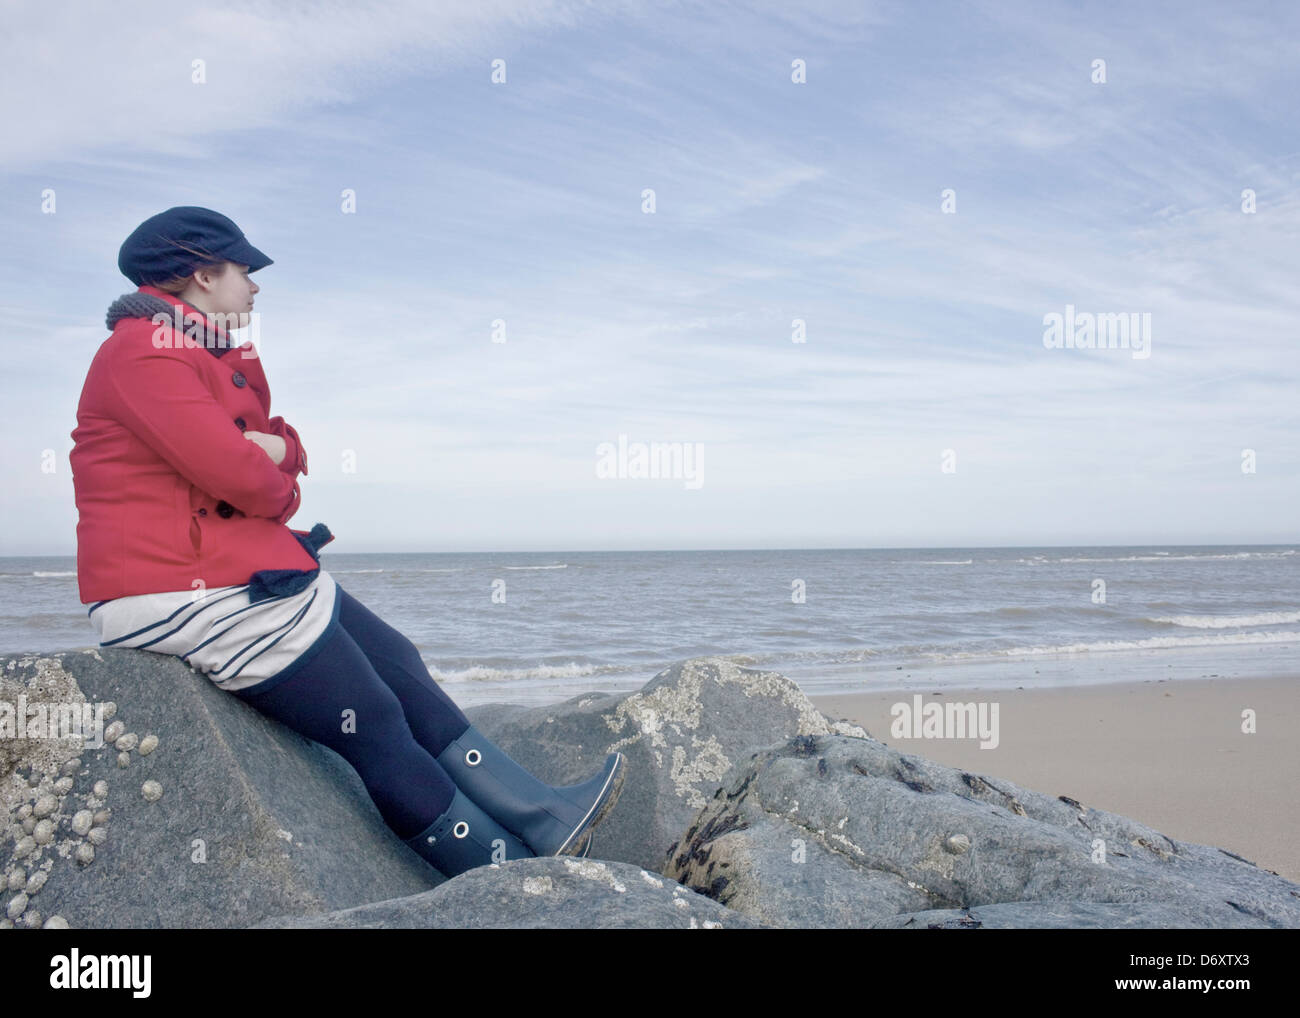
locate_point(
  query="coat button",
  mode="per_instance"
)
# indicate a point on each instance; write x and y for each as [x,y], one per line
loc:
[240,422]
[225,510]
[203,512]
[239,379]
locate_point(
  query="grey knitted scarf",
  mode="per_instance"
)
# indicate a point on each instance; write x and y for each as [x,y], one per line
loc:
[146,305]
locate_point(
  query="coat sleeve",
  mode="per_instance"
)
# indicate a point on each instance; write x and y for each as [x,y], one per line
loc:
[295,456]
[158,395]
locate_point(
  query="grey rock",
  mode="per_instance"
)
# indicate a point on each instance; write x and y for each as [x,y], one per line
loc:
[282,820]
[1037,915]
[681,733]
[538,894]
[843,832]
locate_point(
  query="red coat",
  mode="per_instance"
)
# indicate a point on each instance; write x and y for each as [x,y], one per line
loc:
[169,492]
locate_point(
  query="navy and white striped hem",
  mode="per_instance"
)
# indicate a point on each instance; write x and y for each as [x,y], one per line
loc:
[220,633]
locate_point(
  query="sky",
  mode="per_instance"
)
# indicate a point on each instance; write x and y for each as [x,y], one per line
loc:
[817,246]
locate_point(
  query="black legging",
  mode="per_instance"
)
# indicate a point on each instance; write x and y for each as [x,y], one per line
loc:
[400,717]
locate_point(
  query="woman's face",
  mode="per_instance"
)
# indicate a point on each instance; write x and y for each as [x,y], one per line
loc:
[230,293]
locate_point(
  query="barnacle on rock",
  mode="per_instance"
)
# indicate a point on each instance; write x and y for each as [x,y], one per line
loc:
[17,905]
[151,790]
[45,805]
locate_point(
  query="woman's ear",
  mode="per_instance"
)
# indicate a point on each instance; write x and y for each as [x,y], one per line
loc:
[206,276]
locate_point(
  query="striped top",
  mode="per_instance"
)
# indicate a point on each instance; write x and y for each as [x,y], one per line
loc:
[235,641]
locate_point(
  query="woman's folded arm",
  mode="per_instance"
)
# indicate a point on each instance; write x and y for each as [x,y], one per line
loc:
[295,457]
[158,395]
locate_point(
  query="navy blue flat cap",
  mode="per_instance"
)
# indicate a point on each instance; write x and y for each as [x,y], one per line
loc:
[174,243]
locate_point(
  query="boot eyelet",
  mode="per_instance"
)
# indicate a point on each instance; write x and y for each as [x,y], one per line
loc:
[473,758]
[461,829]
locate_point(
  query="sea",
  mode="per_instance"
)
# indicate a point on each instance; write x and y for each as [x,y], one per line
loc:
[538,628]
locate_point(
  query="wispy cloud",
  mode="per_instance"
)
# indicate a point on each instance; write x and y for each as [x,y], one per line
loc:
[519,205]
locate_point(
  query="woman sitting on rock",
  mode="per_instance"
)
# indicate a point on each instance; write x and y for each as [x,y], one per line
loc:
[184,486]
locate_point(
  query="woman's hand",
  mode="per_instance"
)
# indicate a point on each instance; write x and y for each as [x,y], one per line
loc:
[273,445]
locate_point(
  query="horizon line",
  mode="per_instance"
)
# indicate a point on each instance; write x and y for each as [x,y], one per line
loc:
[927,547]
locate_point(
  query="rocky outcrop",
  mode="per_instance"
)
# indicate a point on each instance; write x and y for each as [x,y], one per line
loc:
[570,894]
[204,813]
[199,812]
[681,733]
[834,831]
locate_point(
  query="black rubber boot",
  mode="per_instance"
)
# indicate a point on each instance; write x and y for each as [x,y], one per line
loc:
[465,837]
[550,820]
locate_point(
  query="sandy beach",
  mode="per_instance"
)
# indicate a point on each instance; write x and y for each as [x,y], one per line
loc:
[1171,754]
